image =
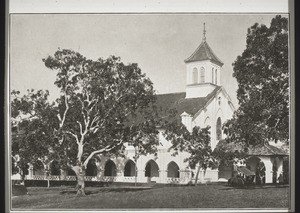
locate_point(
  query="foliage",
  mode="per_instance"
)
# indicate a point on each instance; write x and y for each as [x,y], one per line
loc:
[98,102]
[32,127]
[228,153]
[236,181]
[96,113]
[263,86]
[196,143]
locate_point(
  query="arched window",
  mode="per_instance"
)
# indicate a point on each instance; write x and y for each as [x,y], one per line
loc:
[91,169]
[173,170]
[195,76]
[110,168]
[219,100]
[216,76]
[151,169]
[38,168]
[219,129]
[129,169]
[212,75]
[70,172]
[202,75]
[55,168]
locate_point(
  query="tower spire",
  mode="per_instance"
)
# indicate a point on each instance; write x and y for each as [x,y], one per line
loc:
[204,31]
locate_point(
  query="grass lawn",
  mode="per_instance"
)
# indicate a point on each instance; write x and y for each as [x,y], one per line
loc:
[202,196]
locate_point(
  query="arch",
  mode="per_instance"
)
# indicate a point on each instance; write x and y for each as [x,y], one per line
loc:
[207,121]
[219,129]
[173,170]
[151,169]
[285,169]
[195,76]
[129,169]
[274,170]
[216,76]
[70,172]
[202,75]
[110,168]
[91,168]
[212,75]
[54,168]
[38,168]
[256,165]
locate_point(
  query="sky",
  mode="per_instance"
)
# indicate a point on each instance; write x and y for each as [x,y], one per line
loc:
[159,43]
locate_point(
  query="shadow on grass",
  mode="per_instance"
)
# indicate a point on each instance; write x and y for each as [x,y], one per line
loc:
[108,189]
[252,187]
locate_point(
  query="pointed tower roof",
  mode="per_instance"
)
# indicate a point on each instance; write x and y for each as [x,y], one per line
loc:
[204,52]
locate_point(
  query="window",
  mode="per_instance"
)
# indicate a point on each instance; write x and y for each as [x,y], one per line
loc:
[216,76]
[195,76]
[219,100]
[212,75]
[219,129]
[202,75]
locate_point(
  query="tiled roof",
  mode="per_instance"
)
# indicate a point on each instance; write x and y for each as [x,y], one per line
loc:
[204,52]
[178,102]
[262,150]
[245,171]
[266,149]
[181,104]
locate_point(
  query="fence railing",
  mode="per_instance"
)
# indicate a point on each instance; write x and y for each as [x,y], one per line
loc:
[35,177]
[108,179]
[128,179]
[53,177]
[173,180]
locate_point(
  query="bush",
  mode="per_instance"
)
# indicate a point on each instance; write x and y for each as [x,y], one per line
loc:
[236,181]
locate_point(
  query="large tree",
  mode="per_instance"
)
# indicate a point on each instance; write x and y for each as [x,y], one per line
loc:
[262,73]
[32,127]
[96,113]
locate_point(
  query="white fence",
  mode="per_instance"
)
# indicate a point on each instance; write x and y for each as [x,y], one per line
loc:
[130,179]
[173,180]
[69,178]
[126,179]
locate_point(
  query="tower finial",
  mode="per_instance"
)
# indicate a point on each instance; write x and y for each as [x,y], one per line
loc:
[204,31]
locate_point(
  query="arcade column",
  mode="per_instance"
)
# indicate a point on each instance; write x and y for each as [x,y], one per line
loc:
[269,169]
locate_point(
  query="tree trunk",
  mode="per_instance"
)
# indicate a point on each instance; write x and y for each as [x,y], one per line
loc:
[135,174]
[22,179]
[197,175]
[80,173]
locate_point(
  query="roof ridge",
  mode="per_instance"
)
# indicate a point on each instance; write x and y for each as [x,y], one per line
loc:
[214,54]
[207,54]
[171,93]
[209,99]
[195,51]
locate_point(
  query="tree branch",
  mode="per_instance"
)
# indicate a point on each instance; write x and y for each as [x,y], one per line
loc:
[74,135]
[105,149]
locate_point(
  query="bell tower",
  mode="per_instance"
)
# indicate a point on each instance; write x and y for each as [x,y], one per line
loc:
[203,69]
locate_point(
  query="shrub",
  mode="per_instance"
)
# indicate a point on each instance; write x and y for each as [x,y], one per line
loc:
[236,181]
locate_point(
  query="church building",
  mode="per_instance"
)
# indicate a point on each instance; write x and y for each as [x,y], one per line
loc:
[204,103]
